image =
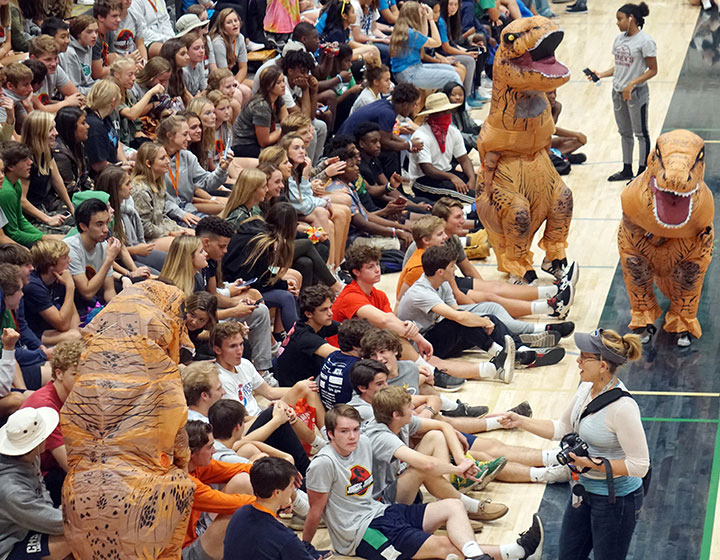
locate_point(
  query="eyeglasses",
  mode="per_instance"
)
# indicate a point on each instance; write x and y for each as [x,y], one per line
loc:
[591,358]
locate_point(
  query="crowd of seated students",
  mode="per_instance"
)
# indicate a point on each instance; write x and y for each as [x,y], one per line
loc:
[135,147]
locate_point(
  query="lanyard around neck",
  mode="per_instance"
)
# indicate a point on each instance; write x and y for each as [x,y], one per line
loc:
[176,179]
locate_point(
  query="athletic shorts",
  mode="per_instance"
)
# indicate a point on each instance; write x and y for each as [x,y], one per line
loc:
[464,283]
[397,534]
[33,546]
[195,551]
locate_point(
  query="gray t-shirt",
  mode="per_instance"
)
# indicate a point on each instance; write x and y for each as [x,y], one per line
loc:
[129,29]
[290,92]
[3,219]
[421,297]
[408,377]
[630,53]
[385,467]
[196,79]
[255,113]
[226,455]
[363,407]
[85,262]
[349,482]
[453,242]
[49,90]
[220,50]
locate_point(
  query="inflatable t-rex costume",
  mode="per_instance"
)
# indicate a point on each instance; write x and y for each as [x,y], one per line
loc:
[127,494]
[666,235]
[522,189]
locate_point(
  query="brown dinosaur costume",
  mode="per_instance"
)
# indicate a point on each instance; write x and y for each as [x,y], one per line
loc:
[127,494]
[522,189]
[666,233]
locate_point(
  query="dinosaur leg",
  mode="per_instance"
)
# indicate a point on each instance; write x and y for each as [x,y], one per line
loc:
[557,224]
[516,224]
[684,288]
[638,275]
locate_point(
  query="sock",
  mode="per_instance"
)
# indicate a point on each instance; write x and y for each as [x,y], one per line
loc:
[641,169]
[627,168]
[536,474]
[471,548]
[319,442]
[545,292]
[423,362]
[495,349]
[487,370]
[492,424]
[301,505]
[471,504]
[523,348]
[447,404]
[512,551]
[452,556]
[549,457]
[538,327]
[540,308]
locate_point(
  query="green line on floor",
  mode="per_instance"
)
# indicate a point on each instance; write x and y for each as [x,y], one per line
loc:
[711,501]
[695,420]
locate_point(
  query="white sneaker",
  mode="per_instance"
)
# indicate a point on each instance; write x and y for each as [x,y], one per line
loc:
[504,362]
[553,475]
[270,378]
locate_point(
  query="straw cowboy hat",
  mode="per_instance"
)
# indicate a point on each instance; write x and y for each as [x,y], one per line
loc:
[437,103]
[26,429]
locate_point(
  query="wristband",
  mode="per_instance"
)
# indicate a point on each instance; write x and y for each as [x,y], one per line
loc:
[394,233]
[340,79]
[389,187]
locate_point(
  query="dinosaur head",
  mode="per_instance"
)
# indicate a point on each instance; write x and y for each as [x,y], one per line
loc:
[526,55]
[675,171]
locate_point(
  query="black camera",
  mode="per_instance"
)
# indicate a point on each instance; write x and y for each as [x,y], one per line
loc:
[571,443]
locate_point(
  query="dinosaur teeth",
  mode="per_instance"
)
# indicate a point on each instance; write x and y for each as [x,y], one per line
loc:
[665,225]
[654,185]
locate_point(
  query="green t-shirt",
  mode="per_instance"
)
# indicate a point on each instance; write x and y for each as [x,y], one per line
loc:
[482,6]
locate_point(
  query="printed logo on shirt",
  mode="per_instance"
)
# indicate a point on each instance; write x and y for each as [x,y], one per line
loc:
[409,389]
[623,56]
[34,544]
[361,480]
[124,38]
[44,98]
[85,70]
[89,272]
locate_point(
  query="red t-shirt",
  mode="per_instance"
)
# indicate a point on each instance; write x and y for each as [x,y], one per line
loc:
[353,298]
[47,396]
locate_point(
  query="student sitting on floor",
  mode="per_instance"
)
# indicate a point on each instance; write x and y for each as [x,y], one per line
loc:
[77,59]
[107,14]
[57,84]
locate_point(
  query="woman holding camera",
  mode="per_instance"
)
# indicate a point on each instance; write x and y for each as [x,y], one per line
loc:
[593,521]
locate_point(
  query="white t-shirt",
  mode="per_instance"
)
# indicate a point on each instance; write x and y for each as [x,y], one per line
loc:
[240,384]
[86,262]
[195,415]
[454,148]
[129,29]
[364,20]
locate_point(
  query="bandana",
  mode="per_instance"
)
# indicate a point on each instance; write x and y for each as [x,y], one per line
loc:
[439,124]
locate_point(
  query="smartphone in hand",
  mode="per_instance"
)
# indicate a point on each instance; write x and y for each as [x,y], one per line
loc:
[592,75]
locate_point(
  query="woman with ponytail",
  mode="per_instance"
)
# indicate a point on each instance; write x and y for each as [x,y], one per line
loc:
[604,508]
[635,63]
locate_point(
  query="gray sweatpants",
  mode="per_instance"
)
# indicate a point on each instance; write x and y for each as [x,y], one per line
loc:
[317,144]
[469,63]
[632,118]
[491,308]
[259,337]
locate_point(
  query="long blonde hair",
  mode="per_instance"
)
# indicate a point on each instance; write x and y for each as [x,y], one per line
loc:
[248,181]
[410,16]
[207,143]
[148,151]
[178,267]
[35,135]
[218,30]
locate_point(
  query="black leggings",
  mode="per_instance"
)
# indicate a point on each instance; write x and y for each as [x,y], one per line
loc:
[450,338]
[308,262]
[285,439]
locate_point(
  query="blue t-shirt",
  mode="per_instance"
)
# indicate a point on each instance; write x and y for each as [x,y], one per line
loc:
[253,534]
[442,30]
[320,24]
[40,297]
[410,56]
[380,112]
[334,379]
[386,4]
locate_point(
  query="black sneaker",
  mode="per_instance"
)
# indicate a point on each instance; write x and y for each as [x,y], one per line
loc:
[542,339]
[463,409]
[562,301]
[523,409]
[576,8]
[504,362]
[565,329]
[540,357]
[645,333]
[344,277]
[571,274]
[556,268]
[683,339]
[448,383]
[481,557]
[532,540]
[621,176]
[576,158]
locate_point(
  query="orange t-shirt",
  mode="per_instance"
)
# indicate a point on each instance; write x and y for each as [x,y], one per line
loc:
[208,499]
[353,298]
[411,272]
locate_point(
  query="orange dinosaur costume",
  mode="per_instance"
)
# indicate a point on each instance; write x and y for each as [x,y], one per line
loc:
[666,234]
[522,189]
[127,494]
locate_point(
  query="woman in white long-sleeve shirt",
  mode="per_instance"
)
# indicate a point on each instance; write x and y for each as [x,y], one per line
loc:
[594,521]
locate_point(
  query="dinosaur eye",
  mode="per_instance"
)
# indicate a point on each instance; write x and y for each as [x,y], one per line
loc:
[701,155]
[657,153]
[510,38]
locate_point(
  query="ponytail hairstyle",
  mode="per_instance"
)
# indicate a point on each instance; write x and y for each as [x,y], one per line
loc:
[638,11]
[110,180]
[628,345]
[373,72]
[410,16]
[277,243]
[35,135]
[334,11]
[217,76]
[218,29]
[154,67]
[121,64]
[176,85]
[168,126]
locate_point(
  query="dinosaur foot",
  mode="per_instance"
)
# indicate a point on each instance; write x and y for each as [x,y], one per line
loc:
[646,333]
[683,339]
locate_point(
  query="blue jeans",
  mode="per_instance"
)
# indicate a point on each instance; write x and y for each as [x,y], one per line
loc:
[600,526]
[429,76]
